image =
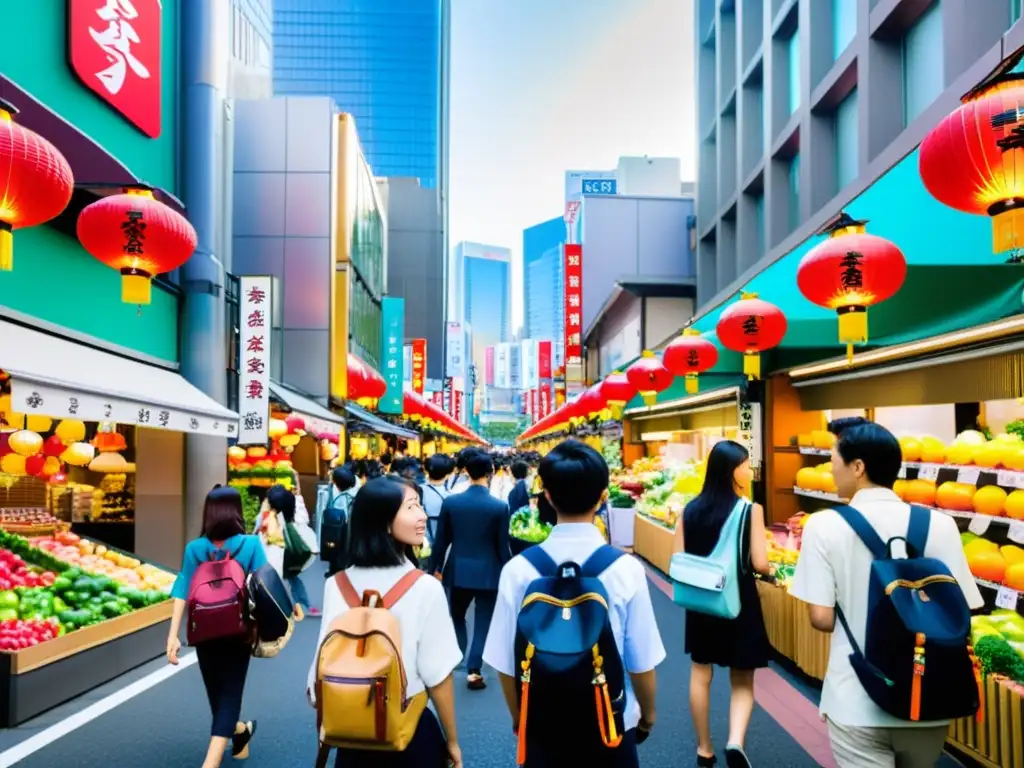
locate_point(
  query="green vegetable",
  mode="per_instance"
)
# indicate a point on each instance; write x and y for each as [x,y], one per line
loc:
[85,585]
[112,608]
[59,606]
[72,573]
[998,657]
[8,614]
[8,599]
[71,597]
[61,584]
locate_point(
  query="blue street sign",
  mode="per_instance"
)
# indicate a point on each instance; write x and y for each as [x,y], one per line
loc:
[393,321]
[599,186]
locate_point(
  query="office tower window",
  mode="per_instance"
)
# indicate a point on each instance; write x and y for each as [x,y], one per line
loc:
[922,63]
[846,141]
[759,223]
[793,48]
[1015,10]
[794,192]
[844,25]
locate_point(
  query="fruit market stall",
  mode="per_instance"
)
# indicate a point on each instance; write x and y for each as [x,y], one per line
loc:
[74,614]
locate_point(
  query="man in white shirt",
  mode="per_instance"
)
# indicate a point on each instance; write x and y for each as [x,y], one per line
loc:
[833,571]
[575,480]
[439,467]
[459,481]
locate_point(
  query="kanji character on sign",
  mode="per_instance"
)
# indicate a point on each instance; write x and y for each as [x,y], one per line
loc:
[254,389]
[255,319]
[255,344]
[255,365]
[256,295]
[573,320]
[574,281]
[116,41]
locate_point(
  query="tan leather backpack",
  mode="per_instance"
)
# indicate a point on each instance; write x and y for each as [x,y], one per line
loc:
[361,700]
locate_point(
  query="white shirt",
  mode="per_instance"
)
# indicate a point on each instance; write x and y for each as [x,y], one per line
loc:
[630,610]
[501,486]
[433,496]
[458,484]
[833,567]
[430,650]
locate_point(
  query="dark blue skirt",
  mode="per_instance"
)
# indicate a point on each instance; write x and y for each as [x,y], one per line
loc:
[428,749]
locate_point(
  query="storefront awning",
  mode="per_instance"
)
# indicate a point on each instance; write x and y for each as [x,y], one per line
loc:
[59,378]
[319,420]
[378,424]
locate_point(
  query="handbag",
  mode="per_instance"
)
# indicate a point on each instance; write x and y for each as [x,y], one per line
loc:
[711,584]
[271,609]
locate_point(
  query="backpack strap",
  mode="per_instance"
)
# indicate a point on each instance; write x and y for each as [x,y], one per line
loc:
[917,531]
[348,592]
[602,559]
[402,586]
[863,529]
[541,560]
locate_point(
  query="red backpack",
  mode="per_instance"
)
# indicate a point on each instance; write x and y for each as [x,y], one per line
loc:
[217,601]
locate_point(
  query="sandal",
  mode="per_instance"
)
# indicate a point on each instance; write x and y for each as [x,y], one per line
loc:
[240,741]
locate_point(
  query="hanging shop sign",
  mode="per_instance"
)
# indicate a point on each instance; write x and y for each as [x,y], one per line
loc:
[573,313]
[114,48]
[437,398]
[254,366]
[750,431]
[544,359]
[419,364]
[393,319]
[544,398]
[457,399]
[455,353]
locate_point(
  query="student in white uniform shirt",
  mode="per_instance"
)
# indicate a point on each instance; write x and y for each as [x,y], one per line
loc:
[387,521]
[575,479]
[833,571]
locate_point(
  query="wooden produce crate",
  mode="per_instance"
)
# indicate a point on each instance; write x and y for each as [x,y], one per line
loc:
[995,740]
[39,678]
[655,543]
[790,631]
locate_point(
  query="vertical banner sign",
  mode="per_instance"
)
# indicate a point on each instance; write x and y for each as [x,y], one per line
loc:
[573,313]
[393,319]
[446,403]
[114,48]
[489,366]
[455,354]
[750,432]
[544,360]
[545,401]
[254,365]
[457,398]
[437,398]
[419,364]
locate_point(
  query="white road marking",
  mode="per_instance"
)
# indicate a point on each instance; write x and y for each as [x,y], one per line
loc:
[59,730]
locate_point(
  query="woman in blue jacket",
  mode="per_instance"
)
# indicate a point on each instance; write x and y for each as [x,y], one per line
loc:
[223,662]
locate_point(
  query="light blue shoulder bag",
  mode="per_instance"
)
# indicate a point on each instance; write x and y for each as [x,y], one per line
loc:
[711,584]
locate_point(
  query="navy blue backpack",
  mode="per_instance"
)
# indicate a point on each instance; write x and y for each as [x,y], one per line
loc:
[916,663]
[572,680]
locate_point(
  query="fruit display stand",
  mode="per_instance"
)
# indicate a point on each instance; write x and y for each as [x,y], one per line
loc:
[46,586]
[655,543]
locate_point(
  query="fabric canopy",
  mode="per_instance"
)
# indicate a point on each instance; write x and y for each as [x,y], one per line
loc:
[377,424]
[319,420]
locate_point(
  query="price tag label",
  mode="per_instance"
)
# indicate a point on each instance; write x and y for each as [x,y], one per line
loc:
[1015,533]
[1007,598]
[969,475]
[1008,479]
[902,475]
[928,472]
[979,524]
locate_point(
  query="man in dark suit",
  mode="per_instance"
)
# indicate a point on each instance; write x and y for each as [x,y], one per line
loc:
[519,496]
[475,524]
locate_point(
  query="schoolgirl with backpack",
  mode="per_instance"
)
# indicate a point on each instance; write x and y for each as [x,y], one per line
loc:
[212,599]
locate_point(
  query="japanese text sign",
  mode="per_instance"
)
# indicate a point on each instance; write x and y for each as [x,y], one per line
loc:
[419,364]
[457,408]
[393,320]
[437,398]
[573,312]
[254,363]
[114,47]
[544,401]
[544,360]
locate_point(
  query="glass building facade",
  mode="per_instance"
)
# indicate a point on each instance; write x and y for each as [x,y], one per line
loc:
[485,296]
[366,249]
[384,63]
[543,284]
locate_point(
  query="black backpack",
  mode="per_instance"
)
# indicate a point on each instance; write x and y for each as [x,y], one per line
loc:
[572,690]
[334,530]
[916,663]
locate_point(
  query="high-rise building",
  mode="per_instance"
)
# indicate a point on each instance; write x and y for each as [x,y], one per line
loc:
[543,289]
[384,63]
[482,295]
[800,112]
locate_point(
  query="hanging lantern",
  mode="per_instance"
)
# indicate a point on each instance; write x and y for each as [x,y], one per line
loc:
[849,272]
[973,160]
[751,326]
[138,235]
[689,355]
[365,385]
[70,431]
[35,181]
[649,377]
[590,404]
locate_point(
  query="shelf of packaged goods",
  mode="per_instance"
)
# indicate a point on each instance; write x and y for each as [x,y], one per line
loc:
[820,495]
[814,451]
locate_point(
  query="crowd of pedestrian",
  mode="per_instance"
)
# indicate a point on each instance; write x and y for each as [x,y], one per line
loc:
[568,625]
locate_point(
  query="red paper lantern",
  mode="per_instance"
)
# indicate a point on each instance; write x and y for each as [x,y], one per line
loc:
[751,326]
[690,355]
[365,385]
[973,160]
[590,404]
[649,377]
[849,272]
[139,236]
[617,390]
[35,181]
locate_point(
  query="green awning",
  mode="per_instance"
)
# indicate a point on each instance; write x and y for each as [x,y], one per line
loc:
[707,382]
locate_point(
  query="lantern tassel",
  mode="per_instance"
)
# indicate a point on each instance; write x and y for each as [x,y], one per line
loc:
[752,365]
[650,398]
[6,247]
[135,287]
[1008,230]
[853,328]
[692,386]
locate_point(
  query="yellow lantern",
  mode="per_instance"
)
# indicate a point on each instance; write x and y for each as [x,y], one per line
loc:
[51,466]
[289,441]
[70,431]
[25,443]
[276,428]
[257,452]
[236,454]
[78,454]
[13,464]
[38,423]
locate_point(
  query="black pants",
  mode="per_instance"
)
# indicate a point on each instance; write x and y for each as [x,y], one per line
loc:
[428,749]
[485,600]
[567,753]
[224,664]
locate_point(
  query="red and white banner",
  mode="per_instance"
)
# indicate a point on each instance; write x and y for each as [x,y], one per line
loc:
[544,398]
[419,364]
[458,402]
[544,354]
[437,398]
[573,312]
[534,406]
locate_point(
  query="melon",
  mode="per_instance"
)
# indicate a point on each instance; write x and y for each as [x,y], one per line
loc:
[971,437]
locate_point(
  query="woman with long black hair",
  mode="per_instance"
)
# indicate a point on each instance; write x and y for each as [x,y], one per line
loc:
[740,644]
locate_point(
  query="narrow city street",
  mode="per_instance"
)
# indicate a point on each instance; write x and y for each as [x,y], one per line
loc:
[165,725]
